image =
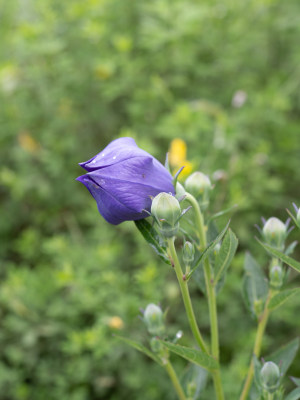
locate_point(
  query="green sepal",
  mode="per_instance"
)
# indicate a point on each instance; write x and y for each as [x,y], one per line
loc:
[208,250]
[294,395]
[285,355]
[153,239]
[290,249]
[138,346]
[295,380]
[193,355]
[225,255]
[283,257]
[281,297]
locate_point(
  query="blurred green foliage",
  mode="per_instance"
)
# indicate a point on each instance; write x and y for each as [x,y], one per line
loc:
[222,75]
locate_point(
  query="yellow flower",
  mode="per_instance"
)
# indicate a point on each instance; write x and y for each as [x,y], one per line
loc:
[28,143]
[177,158]
[115,323]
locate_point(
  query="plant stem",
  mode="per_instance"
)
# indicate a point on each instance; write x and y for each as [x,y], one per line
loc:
[211,295]
[257,347]
[174,378]
[186,296]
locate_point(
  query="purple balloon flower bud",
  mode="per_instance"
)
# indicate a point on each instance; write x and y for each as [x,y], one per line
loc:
[123,178]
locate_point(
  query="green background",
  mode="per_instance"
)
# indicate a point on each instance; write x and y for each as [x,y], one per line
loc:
[73,76]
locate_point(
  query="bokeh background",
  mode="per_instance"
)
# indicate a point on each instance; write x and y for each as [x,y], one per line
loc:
[221,75]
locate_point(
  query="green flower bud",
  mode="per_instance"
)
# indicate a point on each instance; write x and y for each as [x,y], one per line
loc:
[180,192]
[156,345]
[270,377]
[188,252]
[199,185]
[275,232]
[166,211]
[154,320]
[276,277]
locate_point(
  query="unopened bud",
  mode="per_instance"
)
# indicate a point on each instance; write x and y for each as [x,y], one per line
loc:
[180,192]
[199,185]
[275,232]
[156,345]
[270,377]
[276,276]
[166,211]
[154,320]
[188,253]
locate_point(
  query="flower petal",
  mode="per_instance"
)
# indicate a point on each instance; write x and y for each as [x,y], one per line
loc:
[117,151]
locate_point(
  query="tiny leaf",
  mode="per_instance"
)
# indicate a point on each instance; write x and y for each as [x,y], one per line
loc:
[193,355]
[153,239]
[281,298]
[295,380]
[285,355]
[283,257]
[226,254]
[138,346]
[223,212]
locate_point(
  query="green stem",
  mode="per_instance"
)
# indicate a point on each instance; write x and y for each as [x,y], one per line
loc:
[173,376]
[257,347]
[186,296]
[211,295]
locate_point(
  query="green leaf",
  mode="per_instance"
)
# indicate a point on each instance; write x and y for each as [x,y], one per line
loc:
[293,218]
[255,285]
[226,254]
[290,249]
[138,346]
[153,238]
[193,355]
[295,380]
[283,257]
[223,212]
[285,355]
[281,298]
[294,395]
[209,249]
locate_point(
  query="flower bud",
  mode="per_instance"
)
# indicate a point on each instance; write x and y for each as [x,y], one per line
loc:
[180,192]
[275,232]
[276,277]
[166,211]
[199,185]
[154,319]
[156,345]
[270,377]
[188,252]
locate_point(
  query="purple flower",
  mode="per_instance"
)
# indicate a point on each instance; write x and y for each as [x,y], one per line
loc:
[122,178]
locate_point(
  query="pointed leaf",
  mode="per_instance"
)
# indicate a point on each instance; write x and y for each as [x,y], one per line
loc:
[209,249]
[294,395]
[255,285]
[281,298]
[284,258]
[284,356]
[138,346]
[226,254]
[193,355]
[223,212]
[293,218]
[295,380]
[290,249]
[194,381]
[152,237]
